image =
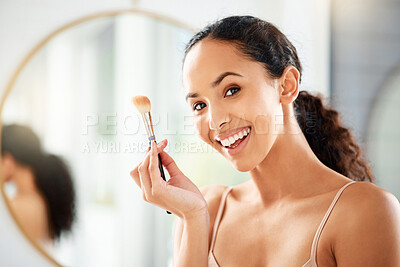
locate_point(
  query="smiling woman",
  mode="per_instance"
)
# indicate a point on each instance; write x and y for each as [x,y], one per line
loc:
[242,76]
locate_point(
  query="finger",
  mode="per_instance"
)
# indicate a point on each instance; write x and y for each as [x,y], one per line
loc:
[145,177]
[135,172]
[135,175]
[154,170]
[169,164]
[161,145]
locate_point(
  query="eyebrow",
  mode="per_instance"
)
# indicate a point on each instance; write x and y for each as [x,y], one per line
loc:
[215,83]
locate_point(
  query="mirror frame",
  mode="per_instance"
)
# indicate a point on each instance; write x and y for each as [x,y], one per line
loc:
[28,58]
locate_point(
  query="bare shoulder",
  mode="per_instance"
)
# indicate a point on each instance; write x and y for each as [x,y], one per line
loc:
[367,227]
[212,194]
[364,201]
[365,196]
[28,206]
[31,213]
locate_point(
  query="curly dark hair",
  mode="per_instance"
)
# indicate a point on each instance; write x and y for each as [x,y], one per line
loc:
[261,41]
[51,174]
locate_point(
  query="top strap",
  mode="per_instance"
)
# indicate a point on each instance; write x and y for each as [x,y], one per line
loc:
[322,224]
[219,215]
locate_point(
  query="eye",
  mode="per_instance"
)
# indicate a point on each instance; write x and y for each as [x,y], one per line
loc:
[232,91]
[197,105]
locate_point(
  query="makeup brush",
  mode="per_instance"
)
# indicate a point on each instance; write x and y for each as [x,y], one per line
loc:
[143,105]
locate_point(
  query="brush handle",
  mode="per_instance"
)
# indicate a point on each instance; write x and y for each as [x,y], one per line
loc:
[160,166]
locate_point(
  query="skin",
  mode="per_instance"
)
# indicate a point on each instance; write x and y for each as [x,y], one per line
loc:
[28,204]
[271,219]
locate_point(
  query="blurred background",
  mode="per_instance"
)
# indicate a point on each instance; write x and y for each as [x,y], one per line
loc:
[75,94]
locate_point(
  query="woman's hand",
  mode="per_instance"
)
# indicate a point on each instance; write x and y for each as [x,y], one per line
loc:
[178,195]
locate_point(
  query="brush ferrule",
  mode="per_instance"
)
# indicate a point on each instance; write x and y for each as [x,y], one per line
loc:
[147,124]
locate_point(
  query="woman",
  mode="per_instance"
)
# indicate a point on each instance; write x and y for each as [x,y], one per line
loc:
[242,77]
[44,202]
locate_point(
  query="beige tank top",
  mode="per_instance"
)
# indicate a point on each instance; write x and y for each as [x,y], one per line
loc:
[312,262]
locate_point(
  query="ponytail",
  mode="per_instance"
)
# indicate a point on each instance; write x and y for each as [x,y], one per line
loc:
[331,142]
[52,176]
[53,180]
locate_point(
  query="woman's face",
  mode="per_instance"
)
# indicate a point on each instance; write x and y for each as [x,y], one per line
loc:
[231,98]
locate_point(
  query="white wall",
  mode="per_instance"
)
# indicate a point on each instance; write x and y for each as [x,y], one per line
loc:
[24,23]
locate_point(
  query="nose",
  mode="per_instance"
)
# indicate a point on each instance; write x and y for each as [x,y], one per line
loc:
[217,117]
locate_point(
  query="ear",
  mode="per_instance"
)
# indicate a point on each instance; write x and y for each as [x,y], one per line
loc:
[9,166]
[289,85]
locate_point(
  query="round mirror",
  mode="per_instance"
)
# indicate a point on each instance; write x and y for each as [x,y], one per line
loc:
[70,136]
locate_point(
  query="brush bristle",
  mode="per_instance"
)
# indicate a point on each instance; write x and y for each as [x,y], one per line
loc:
[142,103]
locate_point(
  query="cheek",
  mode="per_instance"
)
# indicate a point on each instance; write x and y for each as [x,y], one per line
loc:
[264,114]
[259,148]
[264,135]
[261,115]
[202,129]
[262,124]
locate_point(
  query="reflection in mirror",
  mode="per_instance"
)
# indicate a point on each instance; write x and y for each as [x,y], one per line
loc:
[75,95]
[39,185]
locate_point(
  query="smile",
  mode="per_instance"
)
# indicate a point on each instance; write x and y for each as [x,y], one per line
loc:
[235,139]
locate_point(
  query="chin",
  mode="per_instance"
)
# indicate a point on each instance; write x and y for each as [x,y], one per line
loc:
[243,166]
[242,169]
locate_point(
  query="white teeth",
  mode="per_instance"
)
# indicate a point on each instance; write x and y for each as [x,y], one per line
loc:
[226,142]
[232,139]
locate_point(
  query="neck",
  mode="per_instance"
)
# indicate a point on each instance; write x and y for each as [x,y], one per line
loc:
[24,180]
[290,170]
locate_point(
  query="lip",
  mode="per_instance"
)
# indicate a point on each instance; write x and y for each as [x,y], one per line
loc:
[230,133]
[239,148]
